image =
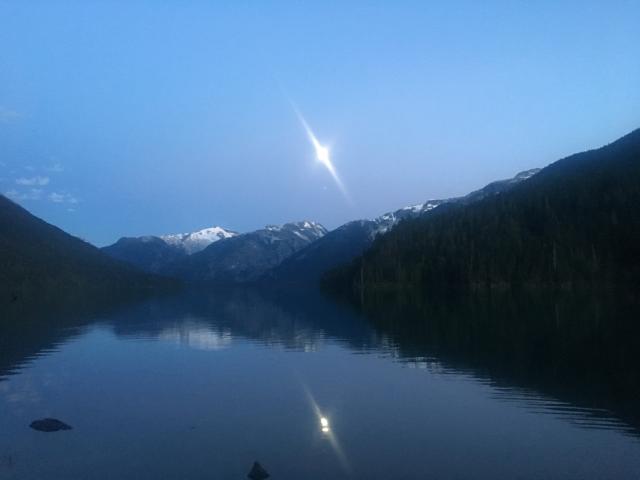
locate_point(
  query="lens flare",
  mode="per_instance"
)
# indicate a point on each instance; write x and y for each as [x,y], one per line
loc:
[324,425]
[326,430]
[322,154]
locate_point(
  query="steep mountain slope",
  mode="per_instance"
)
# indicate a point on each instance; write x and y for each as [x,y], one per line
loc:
[154,254]
[577,222]
[351,239]
[245,257]
[39,261]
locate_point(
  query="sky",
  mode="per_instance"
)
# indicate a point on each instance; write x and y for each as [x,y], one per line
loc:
[126,118]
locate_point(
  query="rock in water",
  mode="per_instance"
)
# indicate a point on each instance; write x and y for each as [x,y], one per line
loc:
[49,425]
[257,472]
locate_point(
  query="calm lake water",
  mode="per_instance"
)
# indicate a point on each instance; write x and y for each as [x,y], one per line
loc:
[200,386]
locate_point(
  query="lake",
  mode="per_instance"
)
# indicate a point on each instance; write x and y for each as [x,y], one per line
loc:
[201,385]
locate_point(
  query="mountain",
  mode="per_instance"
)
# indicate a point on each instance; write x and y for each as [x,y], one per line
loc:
[40,261]
[497,187]
[246,257]
[345,243]
[295,260]
[153,254]
[150,254]
[194,242]
[575,223]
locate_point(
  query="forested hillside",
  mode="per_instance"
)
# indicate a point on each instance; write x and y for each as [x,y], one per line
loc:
[577,222]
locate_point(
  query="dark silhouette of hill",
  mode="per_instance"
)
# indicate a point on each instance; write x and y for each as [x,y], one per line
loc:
[575,223]
[149,254]
[41,262]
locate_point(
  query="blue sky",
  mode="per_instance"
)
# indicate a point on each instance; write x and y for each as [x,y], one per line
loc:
[150,117]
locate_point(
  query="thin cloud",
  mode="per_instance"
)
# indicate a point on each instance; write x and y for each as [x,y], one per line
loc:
[31,194]
[56,197]
[33,181]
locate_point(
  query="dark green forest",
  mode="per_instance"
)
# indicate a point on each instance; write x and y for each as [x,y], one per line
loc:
[575,223]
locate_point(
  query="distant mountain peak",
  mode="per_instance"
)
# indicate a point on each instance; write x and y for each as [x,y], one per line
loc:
[307,225]
[247,256]
[194,242]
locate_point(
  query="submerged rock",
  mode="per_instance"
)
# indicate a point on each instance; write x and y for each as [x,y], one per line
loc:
[257,472]
[49,425]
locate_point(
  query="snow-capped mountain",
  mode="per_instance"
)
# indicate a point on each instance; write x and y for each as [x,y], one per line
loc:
[246,257]
[153,254]
[306,231]
[194,242]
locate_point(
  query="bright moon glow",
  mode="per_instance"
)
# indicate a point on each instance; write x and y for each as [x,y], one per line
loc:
[322,155]
[328,434]
[324,423]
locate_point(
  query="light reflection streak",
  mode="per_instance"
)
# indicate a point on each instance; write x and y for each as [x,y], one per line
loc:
[327,431]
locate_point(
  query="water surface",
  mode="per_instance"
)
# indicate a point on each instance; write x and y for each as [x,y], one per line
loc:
[201,385]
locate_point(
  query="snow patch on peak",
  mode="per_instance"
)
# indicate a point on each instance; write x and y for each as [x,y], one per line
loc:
[194,242]
[309,225]
[415,208]
[305,230]
[526,174]
[389,220]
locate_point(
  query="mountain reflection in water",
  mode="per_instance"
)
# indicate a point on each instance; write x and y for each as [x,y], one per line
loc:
[570,357]
[574,355]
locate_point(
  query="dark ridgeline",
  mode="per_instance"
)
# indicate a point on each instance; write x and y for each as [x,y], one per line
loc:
[40,262]
[575,223]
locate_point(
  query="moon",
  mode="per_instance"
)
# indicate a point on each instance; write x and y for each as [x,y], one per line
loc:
[323,155]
